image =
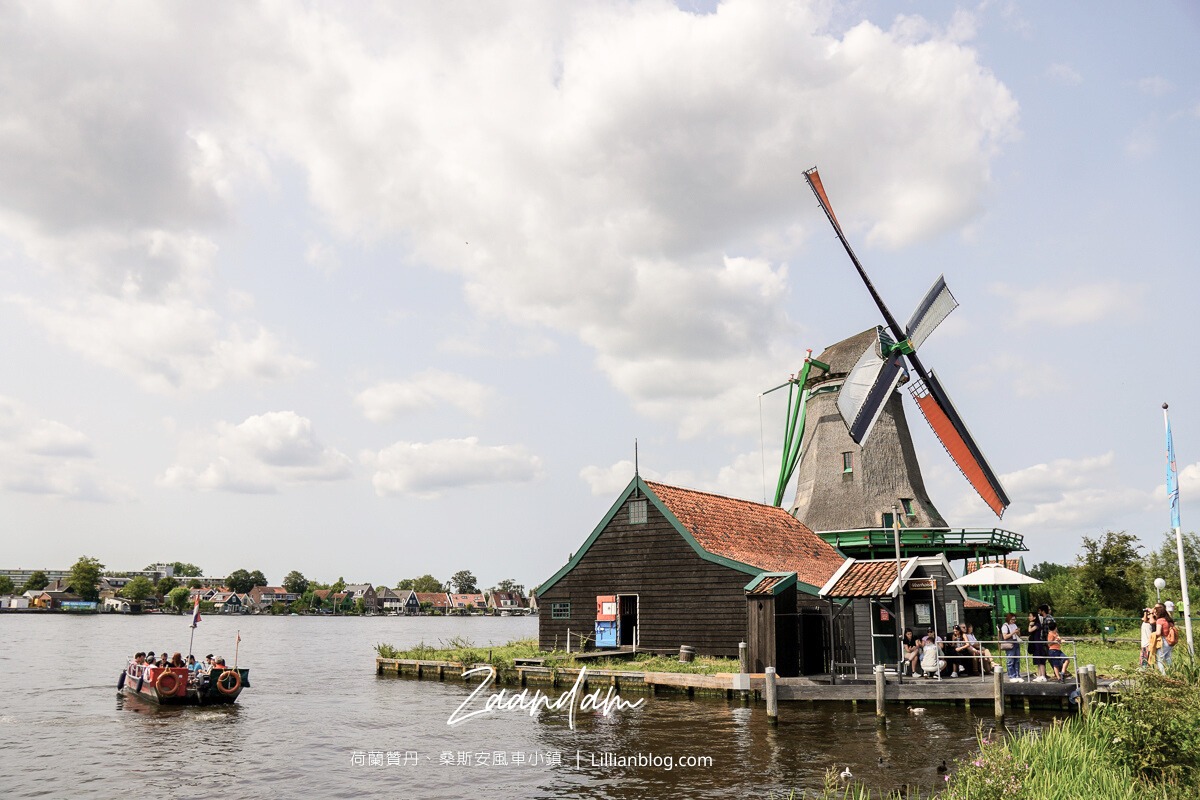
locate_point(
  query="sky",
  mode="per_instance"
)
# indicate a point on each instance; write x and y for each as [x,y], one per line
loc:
[380,290]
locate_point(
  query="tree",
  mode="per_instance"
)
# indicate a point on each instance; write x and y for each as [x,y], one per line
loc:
[1111,568]
[1047,570]
[178,598]
[337,586]
[464,582]
[36,582]
[6,585]
[1164,563]
[295,582]
[137,589]
[194,584]
[85,574]
[509,585]
[164,586]
[184,570]
[405,583]
[241,581]
[426,583]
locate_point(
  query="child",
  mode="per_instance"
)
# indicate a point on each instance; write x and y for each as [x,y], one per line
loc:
[1057,659]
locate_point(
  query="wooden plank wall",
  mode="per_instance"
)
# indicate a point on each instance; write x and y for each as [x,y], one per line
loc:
[683,599]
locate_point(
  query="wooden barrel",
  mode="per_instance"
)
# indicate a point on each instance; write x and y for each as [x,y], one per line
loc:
[686,653]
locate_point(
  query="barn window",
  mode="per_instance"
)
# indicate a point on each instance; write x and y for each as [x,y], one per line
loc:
[847,462]
[637,512]
[560,611]
[908,506]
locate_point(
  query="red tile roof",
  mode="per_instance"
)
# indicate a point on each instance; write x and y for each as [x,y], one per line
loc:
[865,579]
[764,537]
[1011,563]
[971,602]
[767,585]
[438,599]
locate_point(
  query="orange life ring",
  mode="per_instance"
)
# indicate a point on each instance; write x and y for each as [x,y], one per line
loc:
[166,677]
[221,682]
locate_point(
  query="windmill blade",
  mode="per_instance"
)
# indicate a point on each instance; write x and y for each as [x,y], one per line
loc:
[933,308]
[867,388]
[948,425]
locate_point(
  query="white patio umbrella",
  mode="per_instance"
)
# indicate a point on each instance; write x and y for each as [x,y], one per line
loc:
[993,574]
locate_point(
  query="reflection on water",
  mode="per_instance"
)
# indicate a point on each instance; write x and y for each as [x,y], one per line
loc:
[318,721]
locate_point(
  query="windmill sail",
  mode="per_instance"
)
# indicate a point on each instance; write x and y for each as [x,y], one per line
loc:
[930,396]
[867,388]
[933,308]
[952,431]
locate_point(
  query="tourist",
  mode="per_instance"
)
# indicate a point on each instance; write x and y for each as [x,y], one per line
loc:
[1010,645]
[192,666]
[985,655]
[1163,625]
[1054,651]
[966,662]
[1147,656]
[208,663]
[1037,646]
[932,662]
[911,652]
[177,661]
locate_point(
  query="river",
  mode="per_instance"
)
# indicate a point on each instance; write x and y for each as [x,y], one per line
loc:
[318,722]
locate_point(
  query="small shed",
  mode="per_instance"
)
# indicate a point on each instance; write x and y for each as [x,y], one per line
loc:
[773,638]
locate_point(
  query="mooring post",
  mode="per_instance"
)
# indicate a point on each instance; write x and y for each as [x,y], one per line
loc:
[880,689]
[998,690]
[772,696]
[744,668]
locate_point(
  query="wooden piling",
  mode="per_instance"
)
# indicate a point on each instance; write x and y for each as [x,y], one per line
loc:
[744,667]
[880,693]
[770,691]
[998,690]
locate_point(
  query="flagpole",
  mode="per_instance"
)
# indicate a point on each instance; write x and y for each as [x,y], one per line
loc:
[1173,499]
[237,646]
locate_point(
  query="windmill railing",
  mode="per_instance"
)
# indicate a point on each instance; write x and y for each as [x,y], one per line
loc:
[991,539]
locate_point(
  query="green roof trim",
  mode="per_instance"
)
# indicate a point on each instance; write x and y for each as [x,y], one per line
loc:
[638,484]
[789,580]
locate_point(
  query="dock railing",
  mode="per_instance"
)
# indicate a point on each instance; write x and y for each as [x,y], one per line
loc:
[977,665]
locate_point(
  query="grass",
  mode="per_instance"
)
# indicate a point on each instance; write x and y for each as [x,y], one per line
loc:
[463,651]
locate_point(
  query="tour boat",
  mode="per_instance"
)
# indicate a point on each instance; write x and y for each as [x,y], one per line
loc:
[170,686]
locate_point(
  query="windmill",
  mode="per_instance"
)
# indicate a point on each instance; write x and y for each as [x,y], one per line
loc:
[880,369]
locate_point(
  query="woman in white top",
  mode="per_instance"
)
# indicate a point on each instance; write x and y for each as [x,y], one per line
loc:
[1010,645]
[1147,659]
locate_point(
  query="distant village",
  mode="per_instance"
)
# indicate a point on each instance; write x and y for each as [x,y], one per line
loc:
[176,587]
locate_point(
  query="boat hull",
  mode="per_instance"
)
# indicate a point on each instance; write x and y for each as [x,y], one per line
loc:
[170,686]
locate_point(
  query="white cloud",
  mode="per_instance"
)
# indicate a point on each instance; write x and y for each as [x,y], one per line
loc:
[262,454]
[428,469]
[1064,74]
[428,390]
[1155,86]
[1077,304]
[622,172]
[1069,495]
[46,457]
[605,481]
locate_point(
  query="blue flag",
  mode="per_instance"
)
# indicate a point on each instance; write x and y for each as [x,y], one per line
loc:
[1172,479]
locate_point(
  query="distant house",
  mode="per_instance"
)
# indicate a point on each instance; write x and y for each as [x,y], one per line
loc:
[366,593]
[227,603]
[474,601]
[668,566]
[439,602]
[389,601]
[55,599]
[506,601]
[13,601]
[265,596]
[116,605]
[409,604]
[339,600]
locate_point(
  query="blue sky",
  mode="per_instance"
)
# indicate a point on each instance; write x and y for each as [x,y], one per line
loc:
[389,291]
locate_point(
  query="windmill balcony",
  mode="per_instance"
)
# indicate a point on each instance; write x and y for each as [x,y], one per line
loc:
[955,543]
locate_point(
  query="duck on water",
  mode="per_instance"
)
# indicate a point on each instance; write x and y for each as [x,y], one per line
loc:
[174,683]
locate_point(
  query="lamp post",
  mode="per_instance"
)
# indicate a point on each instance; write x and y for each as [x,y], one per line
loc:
[1159,585]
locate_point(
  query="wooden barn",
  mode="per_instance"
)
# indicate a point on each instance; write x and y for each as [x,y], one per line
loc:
[668,566]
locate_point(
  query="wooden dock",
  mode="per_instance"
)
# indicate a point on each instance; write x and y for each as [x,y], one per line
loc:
[910,691]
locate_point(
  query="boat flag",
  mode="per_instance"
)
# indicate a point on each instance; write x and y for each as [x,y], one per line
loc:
[1172,479]
[196,612]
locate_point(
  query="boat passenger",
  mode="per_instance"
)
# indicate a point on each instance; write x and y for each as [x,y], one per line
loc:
[192,666]
[177,661]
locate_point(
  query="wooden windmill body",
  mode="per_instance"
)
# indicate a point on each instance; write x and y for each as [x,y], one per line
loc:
[844,486]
